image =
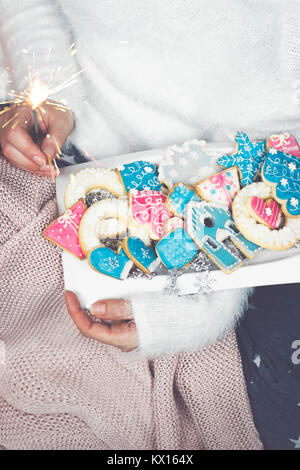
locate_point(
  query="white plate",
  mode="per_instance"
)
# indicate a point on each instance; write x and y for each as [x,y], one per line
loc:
[267,268]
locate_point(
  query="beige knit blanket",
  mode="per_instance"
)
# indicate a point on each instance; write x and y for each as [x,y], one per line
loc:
[60,390]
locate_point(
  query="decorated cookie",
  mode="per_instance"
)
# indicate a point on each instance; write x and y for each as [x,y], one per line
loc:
[88,179]
[178,198]
[185,164]
[63,231]
[109,210]
[282,172]
[144,257]
[286,143]
[172,224]
[209,225]
[106,261]
[97,195]
[265,211]
[149,209]
[248,158]
[176,250]
[260,233]
[111,228]
[139,175]
[220,188]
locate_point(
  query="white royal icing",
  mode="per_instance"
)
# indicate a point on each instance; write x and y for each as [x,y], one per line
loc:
[91,178]
[109,209]
[258,233]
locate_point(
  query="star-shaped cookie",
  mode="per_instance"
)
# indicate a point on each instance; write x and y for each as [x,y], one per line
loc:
[248,158]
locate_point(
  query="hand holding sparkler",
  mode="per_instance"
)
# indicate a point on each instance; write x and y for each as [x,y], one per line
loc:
[32,116]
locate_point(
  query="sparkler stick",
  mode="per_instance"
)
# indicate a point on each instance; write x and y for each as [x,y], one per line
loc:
[37,94]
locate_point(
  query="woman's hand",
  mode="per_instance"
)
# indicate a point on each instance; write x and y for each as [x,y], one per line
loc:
[117,329]
[18,146]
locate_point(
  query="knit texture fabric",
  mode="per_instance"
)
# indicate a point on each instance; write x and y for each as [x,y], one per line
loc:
[60,390]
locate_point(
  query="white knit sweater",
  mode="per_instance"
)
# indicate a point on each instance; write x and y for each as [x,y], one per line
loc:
[157,73]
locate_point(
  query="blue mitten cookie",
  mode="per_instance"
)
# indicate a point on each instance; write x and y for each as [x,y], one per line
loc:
[282,171]
[144,257]
[106,261]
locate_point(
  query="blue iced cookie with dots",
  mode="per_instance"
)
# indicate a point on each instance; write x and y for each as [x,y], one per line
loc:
[144,257]
[209,225]
[179,197]
[176,249]
[248,158]
[106,261]
[283,172]
[139,175]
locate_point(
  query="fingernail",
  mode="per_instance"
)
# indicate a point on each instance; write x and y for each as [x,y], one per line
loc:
[46,168]
[98,309]
[39,161]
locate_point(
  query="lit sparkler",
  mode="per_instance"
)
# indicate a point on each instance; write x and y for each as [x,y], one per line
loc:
[38,94]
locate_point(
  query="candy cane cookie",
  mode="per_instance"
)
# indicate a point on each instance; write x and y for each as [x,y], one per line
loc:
[88,179]
[262,234]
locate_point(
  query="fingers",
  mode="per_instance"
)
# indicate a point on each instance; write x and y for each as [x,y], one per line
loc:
[115,310]
[120,334]
[16,158]
[22,141]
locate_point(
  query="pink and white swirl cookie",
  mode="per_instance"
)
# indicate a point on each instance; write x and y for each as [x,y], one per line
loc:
[220,188]
[279,238]
[148,208]
[88,179]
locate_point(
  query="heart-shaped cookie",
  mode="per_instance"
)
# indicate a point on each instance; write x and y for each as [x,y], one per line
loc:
[106,261]
[265,211]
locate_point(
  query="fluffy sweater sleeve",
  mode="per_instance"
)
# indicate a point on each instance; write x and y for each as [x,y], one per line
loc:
[36,35]
[170,324]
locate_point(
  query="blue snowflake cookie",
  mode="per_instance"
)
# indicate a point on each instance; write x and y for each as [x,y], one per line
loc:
[179,197]
[139,175]
[144,257]
[176,249]
[248,158]
[209,225]
[283,171]
[106,261]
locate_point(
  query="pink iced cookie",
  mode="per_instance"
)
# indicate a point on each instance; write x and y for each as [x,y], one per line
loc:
[286,143]
[266,211]
[148,207]
[63,231]
[220,188]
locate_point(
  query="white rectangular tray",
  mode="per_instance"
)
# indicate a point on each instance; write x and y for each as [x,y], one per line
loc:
[267,268]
